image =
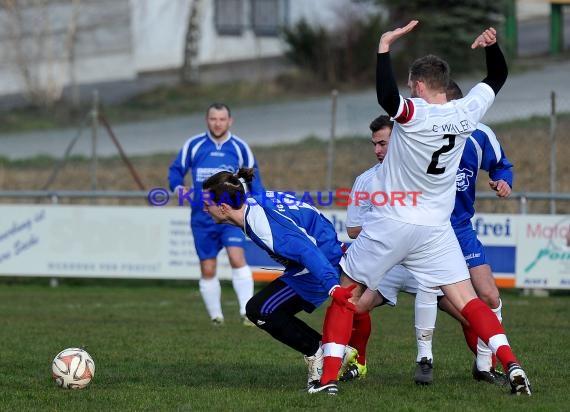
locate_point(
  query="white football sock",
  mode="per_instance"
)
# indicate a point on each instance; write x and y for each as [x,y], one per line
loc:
[498,311]
[242,281]
[211,292]
[425,317]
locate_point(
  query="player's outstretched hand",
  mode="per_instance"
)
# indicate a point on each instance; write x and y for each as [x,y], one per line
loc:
[390,37]
[501,187]
[342,295]
[487,38]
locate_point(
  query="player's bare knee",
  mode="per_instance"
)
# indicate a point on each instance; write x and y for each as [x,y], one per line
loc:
[362,307]
[208,274]
[490,297]
[346,281]
[208,268]
[492,300]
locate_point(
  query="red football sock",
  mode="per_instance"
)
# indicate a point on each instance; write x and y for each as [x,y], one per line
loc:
[336,329]
[471,338]
[361,328]
[485,323]
[330,364]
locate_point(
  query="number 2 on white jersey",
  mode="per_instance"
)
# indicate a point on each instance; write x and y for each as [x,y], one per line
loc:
[432,168]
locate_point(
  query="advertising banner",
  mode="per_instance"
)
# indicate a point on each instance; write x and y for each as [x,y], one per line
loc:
[526,251]
[498,234]
[98,241]
[109,241]
[543,258]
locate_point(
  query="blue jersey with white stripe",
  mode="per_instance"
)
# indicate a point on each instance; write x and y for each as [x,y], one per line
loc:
[482,151]
[204,157]
[300,238]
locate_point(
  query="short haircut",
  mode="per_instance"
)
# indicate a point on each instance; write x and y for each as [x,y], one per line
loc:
[453,91]
[380,122]
[218,106]
[431,70]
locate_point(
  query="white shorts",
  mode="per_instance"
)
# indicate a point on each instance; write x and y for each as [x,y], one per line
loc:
[431,253]
[399,279]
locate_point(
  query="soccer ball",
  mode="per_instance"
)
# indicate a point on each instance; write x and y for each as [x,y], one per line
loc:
[73,368]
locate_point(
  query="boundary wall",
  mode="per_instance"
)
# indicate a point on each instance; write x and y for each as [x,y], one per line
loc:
[139,242]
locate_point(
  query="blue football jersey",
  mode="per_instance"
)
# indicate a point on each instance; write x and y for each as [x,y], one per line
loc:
[482,151]
[299,237]
[204,157]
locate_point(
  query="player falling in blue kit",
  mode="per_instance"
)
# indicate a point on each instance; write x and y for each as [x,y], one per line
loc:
[295,235]
[204,155]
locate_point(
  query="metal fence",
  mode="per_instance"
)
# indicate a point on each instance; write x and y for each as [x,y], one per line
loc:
[540,153]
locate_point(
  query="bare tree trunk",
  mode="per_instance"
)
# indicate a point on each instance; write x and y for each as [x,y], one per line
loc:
[190,71]
[15,29]
[52,90]
[71,41]
[34,52]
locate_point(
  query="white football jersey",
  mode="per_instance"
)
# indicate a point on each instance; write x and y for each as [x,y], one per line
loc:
[416,183]
[360,203]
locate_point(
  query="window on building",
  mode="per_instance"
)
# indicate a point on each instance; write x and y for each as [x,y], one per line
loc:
[228,16]
[268,16]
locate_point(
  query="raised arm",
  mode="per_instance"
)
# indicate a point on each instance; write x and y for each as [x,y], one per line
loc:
[391,36]
[497,70]
[386,87]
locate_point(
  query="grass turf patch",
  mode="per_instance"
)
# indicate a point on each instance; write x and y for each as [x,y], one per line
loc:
[155,349]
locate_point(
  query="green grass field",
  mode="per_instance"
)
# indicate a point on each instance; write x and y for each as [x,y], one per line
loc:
[155,350]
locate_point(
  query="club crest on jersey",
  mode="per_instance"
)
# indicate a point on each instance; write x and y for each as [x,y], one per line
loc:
[462,179]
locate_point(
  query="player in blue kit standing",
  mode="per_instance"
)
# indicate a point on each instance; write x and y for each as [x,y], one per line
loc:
[204,155]
[482,151]
[299,237]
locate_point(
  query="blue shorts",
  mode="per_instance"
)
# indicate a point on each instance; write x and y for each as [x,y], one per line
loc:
[472,248]
[210,238]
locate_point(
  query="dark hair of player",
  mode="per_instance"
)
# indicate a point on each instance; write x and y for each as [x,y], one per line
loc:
[380,122]
[226,187]
[431,70]
[218,106]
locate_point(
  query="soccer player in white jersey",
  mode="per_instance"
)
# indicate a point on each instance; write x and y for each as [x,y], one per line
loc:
[299,237]
[204,155]
[396,279]
[410,224]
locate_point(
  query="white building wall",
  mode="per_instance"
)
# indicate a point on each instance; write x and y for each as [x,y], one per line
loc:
[103,47]
[324,12]
[218,49]
[158,30]
[118,39]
